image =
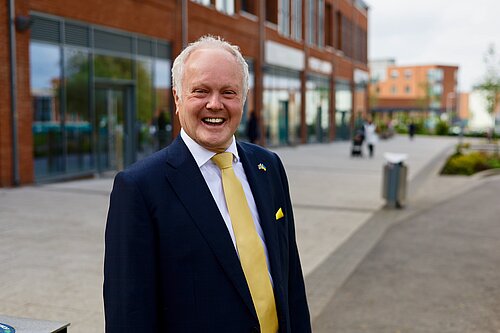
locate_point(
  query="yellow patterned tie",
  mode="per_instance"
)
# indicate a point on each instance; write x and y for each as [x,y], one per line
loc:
[250,248]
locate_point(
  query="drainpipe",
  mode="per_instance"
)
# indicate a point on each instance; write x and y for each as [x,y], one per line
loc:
[259,71]
[13,91]
[184,18]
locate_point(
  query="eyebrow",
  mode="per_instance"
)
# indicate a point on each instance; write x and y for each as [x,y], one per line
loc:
[203,85]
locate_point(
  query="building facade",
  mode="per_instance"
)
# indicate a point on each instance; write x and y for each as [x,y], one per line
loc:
[87,85]
[419,90]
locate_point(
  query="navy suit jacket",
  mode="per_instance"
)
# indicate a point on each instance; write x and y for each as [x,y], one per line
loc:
[170,264]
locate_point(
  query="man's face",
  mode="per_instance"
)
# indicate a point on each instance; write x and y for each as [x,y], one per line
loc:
[212,98]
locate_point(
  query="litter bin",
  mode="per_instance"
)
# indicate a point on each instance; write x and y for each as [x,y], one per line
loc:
[394,180]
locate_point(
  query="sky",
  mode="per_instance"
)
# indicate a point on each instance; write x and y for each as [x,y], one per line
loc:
[445,32]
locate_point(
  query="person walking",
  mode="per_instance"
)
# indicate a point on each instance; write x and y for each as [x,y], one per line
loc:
[411,130]
[200,236]
[371,136]
[253,131]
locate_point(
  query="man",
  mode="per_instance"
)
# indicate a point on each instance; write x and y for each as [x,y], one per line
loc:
[176,257]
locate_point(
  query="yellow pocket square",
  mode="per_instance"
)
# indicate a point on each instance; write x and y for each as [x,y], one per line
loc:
[279,214]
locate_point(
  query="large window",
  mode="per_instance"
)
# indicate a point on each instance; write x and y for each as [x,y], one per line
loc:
[78,122]
[162,106]
[317,108]
[297,19]
[311,22]
[435,75]
[343,109]
[203,2]
[281,106]
[225,6]
[360,44]
[99,103]
[45,71]
[321,23]
[347,36]
[339,29]
[249,106]
[328,25]
[284,17]
[113,67]
[272,11]
[249,6]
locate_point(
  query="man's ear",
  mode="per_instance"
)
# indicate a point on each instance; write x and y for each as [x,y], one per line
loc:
[176,100]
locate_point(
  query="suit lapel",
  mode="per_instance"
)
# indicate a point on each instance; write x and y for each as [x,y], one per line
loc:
[188,182]
[259,183]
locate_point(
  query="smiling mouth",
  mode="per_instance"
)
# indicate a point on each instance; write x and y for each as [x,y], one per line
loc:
[213,121]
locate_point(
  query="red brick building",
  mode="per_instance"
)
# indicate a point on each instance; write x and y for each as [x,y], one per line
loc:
[86,84]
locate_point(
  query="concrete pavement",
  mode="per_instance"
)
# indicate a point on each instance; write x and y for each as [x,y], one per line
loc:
[51,236]
[436,270]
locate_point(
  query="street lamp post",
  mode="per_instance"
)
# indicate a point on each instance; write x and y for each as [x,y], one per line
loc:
[449,106]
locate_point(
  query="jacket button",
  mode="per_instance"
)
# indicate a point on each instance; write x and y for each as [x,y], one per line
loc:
[255,330]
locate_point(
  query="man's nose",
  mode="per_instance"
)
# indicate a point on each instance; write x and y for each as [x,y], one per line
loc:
[214,102]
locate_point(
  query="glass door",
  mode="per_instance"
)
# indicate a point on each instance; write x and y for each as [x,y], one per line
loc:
[112,123]
[283,122]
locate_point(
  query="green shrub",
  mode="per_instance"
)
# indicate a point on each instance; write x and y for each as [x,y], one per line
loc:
[468,164]
[442,128]
[494,162]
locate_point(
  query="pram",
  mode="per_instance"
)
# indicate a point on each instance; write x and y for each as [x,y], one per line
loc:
[357,144]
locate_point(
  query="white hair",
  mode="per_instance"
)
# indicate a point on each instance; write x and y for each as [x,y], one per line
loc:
[207,42]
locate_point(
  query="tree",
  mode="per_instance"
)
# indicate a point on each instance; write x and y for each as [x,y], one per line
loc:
[490,83]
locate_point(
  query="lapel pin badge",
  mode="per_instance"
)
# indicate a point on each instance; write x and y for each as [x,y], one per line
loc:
[262,167]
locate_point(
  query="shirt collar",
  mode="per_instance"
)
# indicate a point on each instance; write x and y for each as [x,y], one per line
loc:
[202,155]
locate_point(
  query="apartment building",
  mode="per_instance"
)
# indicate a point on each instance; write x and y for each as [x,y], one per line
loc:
[417,89]
[87,86]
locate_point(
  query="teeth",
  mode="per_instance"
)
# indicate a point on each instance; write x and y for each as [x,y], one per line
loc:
[213,120]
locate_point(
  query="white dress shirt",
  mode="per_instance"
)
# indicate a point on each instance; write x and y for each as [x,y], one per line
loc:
[212,175]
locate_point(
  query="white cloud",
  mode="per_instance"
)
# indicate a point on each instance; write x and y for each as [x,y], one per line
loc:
[435,31]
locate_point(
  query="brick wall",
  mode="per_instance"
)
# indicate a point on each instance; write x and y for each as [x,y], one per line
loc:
[5,118]
[156,18]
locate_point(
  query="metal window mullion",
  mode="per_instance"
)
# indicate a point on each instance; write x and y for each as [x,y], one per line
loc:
[92,109]
[153,75]
[62,102]
[133,107]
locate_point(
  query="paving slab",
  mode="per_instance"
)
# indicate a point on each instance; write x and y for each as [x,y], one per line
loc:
[51,235]
[433,271]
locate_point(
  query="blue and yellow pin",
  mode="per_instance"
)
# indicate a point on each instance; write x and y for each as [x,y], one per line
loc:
[262,167]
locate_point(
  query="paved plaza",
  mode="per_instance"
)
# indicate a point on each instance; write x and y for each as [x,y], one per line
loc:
[51,236]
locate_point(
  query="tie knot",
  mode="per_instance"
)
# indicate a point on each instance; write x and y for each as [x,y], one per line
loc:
[223,160]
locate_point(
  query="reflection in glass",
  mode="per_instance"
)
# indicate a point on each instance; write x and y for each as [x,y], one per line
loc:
[131,102]
[146,131]
[343,110]
[282,101]
[163,119]
[249,107]
[77,122]
[317,109]
[45,91]
[110,115]
[112,67]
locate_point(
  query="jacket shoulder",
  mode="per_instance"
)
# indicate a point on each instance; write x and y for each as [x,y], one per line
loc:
[257,150]
[149,166]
